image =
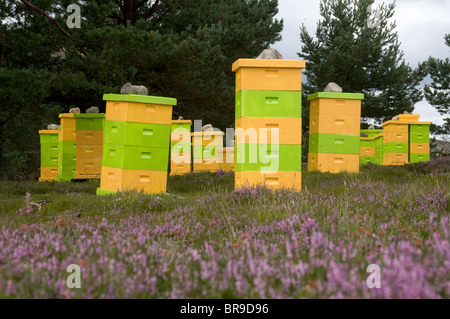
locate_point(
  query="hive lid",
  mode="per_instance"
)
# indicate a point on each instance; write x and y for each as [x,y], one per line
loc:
[409,117]
[268,63]
[90,115]
[336,95]
[209,133]
[181,122]
[49,132]
[405,123]
[66,115]
[140,99]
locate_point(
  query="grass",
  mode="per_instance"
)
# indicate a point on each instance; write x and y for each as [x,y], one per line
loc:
[203,239]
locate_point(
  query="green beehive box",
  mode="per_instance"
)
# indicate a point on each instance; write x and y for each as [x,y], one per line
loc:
[289,157]
[417,158]
[184,126]
[136,157]
[372,133]
[396,148]
[50,138]
[90,122]
[334,144]
[419,137]
[49,155]
[365,143]
[136,134]
[268,104]
[420,128]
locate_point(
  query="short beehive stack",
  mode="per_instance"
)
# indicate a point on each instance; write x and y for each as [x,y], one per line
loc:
[206,146]
[334,140]
[371,147]
[49,140]
[89,145]
[268,123]
[136,143]
[180,147]
[67,162]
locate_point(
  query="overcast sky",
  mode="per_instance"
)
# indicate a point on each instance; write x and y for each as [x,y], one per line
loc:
[421,26]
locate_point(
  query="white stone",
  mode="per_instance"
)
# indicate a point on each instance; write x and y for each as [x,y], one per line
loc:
[75,110]
[333,87]
[271,54]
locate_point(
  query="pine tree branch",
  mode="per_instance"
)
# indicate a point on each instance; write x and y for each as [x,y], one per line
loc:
[152,10]
[40,11]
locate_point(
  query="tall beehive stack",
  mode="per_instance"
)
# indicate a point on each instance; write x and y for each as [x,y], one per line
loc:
[206,146]
[49,155]
[136,143]
[268,123]
[180,153]
[226,154]
[67,163]
[89,145]
[334,140]
[371,147]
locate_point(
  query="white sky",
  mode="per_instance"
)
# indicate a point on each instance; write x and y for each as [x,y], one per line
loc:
[421,27]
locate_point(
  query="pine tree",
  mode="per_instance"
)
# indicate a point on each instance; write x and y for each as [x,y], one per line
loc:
[438,92]
[361,58]
[182,49]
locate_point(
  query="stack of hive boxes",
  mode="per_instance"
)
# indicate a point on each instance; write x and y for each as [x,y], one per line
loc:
[268,123]
[180,153]
[334,136]
[49,155]
[419,138]
[136,143]
[226,154]
[206,146]
[67,164]
[395,143]
[371,147]
[89,145]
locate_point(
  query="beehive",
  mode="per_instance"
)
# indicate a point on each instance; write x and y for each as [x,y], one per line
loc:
[89,145]
[371,148]
[268,123]
[136,143]
[419,139]
[334,140]
[49,140]
[67,163]
[205,150]
[180,153]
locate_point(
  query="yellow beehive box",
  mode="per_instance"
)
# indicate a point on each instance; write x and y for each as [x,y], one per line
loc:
[268,75]
[335,124]
[48,174]
[273,180]
[121,180]
[226,154]
[346,105]
[89,152]
[206,165]
[211,138]
[396,126]
[367,151]
[333,163]
[257,130]
[89,137]
[90,167]
[68,127]
[139,108]
[395,158]
[180,168]
[395,137]
[419,148]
